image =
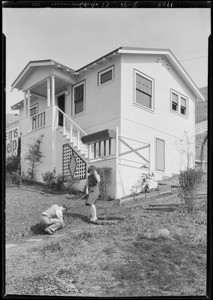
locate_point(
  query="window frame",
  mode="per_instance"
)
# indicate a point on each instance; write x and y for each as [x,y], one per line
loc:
[32,107]
[180,106]
[83,82]
[111,68]
[136,72]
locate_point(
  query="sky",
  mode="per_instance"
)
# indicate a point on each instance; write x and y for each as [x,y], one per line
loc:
[77,36]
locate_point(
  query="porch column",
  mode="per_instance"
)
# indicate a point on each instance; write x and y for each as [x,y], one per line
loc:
[53,89]
[28,102]
[25,105]
[48,92]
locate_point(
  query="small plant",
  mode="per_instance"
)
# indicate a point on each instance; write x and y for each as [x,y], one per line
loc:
[49,178]
[34,156]
[106,178]
[145,184]
[189,182]
[13,165]
[71,184]
[59,182]
[202,150]
[54,181]
[16,178]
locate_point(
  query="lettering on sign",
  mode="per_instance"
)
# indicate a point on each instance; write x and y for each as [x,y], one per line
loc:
[12,141]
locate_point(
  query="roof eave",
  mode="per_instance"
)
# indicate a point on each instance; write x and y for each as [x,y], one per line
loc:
[28,66]
[99,59]
[166,52]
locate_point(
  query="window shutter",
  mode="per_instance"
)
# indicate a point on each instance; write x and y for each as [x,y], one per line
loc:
[160,155]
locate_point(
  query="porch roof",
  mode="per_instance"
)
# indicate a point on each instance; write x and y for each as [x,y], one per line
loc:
[27,71]
[19,104]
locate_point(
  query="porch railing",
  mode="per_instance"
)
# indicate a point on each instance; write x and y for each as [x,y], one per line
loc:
[71,127]
[38,120]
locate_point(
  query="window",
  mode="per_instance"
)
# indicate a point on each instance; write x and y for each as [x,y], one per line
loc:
[183,106]
[79,98]
[106,75]
[179,103]
[33,110]
[160,155]
[174,102]
[143,90]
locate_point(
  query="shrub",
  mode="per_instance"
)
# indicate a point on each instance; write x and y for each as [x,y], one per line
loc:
[189,182]
[202,150]
[54,181]
[106,178]
[49,178]
[13,167]
[34,156]
[12,163]
[71,184]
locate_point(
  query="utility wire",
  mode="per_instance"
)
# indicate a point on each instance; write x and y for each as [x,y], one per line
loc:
[192,51]
[193,58]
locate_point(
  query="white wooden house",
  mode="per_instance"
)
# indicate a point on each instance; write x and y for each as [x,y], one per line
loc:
[132,110]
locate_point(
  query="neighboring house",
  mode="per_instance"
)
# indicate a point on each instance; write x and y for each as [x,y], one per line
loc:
[12,133]
[132,110]
[201,127]
[201,107]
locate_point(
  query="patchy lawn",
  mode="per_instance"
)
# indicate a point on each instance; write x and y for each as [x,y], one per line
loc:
[157,250]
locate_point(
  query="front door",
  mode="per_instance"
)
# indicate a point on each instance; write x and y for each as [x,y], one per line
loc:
[61,105]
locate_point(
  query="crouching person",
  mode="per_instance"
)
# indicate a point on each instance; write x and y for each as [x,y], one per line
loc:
[52,218]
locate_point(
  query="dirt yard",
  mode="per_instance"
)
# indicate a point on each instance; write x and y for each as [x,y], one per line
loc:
[156,250]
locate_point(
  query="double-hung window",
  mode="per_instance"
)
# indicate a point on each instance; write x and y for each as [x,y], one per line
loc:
[183,106]
[79,98]
[179,103]
[106,76]
[143,90]
[174,102]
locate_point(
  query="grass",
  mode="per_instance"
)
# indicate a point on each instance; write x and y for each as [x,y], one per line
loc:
[157,250]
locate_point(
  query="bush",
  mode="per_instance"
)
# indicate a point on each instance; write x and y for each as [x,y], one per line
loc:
[189,182]
[12,163]
[13,167]
[54,181]
[106,178]
[34,156]
[71,184]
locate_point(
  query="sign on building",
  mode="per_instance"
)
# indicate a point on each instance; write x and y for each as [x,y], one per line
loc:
[12,134]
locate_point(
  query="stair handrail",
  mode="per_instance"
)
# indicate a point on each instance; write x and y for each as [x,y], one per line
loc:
[73,122]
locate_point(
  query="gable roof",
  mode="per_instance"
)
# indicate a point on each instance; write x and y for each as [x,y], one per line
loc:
[167,53]
[38,63]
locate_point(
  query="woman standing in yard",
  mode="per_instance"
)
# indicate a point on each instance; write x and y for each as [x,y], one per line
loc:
[92,190]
